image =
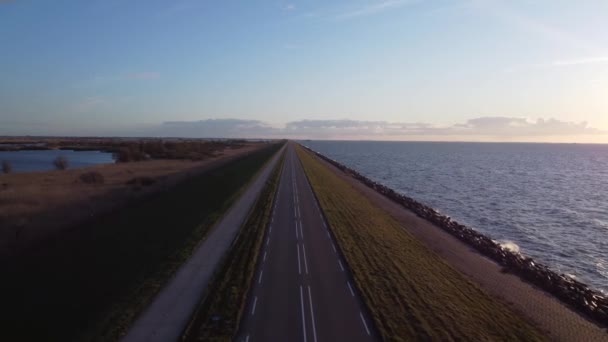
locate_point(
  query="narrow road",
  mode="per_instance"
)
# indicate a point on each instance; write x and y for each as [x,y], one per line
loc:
[302,288]
[167,316]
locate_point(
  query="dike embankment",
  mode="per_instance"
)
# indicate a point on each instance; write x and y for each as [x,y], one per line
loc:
[576,294]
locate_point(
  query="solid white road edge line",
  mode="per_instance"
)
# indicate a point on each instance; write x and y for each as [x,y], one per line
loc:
[312,316]
[299,263]
[341,266]
[303,317]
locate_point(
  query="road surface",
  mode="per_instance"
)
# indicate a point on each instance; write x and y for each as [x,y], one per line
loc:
[302,289]
[167,316]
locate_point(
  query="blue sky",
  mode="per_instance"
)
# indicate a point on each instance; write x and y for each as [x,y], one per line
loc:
[373,69]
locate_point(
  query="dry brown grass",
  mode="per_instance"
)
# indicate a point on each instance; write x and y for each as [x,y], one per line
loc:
[36,205]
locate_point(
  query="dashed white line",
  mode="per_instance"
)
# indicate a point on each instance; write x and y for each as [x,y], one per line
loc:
[301,231]
[305,263]
[270,231]
[341,267]
[299,263]
[255,303]
[352,293]
[329,236]
[267,240]
[312,316]
[260,278]
[264,256]
[303,317]
[364,324]
[297,230]
[334,247]
[247,338]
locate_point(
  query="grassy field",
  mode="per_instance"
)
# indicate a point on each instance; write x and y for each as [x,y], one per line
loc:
[35,205]
[411,293]
[219,314]
[91,283]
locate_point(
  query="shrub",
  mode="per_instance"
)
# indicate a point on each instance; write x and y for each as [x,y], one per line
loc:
[61,163]
[92,177]
[7,167]
[130,154]
[141,181]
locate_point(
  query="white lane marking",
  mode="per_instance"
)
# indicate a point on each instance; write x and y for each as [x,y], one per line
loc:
[364,324]
[334,247]
[270,231]
[247,338]
[299,263]
[341,267]
[267,240]
[305,263]
[297,237]
[324,225]
[352,293]
[264,256]
[255,303]
[303,317]
[301,231]
[260,278]
[328,235]
[312,315]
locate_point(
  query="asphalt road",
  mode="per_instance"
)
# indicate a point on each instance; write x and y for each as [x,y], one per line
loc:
[167,316]
[302,289]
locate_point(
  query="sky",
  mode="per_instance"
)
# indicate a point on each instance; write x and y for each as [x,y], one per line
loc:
[517,70]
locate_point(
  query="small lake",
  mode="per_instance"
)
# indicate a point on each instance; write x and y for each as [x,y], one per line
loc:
[30,161]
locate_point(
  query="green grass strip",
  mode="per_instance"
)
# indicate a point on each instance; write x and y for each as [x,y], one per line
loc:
[413,295]
[220,312]
[90,285]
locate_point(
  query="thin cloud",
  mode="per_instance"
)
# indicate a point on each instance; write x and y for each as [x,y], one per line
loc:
[501,127]
[289,7]
[374,8]
[580,61]
[146,75]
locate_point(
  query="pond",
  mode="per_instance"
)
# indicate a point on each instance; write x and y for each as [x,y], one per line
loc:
[30,161]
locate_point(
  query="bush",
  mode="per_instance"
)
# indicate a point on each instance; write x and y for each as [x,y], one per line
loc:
[61,163]
[141,181]
[130,154]
[92,177]
[7,167]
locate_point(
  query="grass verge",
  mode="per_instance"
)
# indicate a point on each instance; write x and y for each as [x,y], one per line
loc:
[412,294]
[89,285]
[218,316]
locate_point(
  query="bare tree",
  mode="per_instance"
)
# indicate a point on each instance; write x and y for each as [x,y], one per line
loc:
[61,163]
[7,167]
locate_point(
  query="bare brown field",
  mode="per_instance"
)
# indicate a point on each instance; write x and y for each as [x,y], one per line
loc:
[36,205]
